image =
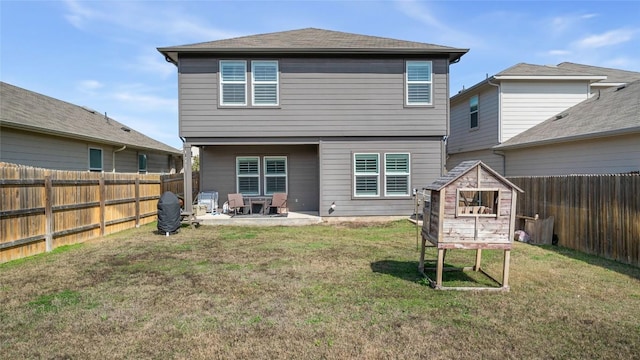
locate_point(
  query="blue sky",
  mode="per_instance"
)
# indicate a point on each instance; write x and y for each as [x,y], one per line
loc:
[102,54]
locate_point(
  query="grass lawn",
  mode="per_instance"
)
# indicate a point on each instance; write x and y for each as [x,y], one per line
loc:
[317,292]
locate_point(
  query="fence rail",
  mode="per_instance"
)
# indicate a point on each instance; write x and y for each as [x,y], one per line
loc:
[42,209]
[596,214]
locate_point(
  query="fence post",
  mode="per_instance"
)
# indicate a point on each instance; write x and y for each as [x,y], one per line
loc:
[138,201]
[102,205]
[48,213]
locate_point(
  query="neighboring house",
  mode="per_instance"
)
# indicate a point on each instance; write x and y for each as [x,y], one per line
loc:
[600,135]
[40,131]
[516,99]
[327,117]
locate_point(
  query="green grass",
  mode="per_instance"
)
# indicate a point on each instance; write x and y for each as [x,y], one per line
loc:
[338,291]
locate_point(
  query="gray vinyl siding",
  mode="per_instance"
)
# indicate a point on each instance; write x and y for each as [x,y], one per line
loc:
[337,175]
[609,155]
[218,171]
[59,153]
[318,97]
[494,161]
[462,137]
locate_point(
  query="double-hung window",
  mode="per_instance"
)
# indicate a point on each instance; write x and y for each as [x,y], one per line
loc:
[275,174]
[396,174]
[264,82]
[366,174]
[473,112]
[418,83]
[95,159]
[142,163]
[233,83]
[248,175]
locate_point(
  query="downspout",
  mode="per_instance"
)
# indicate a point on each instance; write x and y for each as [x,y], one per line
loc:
[113,158]
[504,160]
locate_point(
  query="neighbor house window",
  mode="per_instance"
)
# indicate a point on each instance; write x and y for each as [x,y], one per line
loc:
[366,172]
[478,202]
[418,83]
[264,82]
[396,174]
[473,112]
[248,175]
[233,82]
[95,159]
[275,174]
[142,163]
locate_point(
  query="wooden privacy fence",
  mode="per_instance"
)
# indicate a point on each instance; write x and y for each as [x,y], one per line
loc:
[42,209]
[175,183]
[596,214]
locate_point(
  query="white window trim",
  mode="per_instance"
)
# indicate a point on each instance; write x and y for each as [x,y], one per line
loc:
[285,175]
[356,174]
[392,173]
[238,176]
[254,82]
[407,82]
[222,82]
[101,159]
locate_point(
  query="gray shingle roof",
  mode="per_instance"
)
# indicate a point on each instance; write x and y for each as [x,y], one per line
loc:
[611,111]
[312,40]
[613,75]
[463,168]
[24,109]
[523,69]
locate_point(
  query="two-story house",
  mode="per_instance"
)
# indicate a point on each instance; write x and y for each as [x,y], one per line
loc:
[330,118]
[41,131]
[504,105]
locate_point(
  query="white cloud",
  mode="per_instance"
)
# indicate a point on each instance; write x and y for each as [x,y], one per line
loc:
[608,38]
[559,52]
[146,103]
[89,85]
[443,31]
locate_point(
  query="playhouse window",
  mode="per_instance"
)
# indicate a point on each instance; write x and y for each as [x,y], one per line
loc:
[478,202]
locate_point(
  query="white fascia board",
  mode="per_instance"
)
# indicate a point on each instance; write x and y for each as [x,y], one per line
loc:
[550,77]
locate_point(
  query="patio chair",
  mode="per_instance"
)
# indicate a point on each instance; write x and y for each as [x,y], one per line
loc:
[236,202]
[279,203]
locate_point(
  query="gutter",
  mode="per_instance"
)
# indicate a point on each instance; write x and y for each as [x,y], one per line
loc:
[113,158]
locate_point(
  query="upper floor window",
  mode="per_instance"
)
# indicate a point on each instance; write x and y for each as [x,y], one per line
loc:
[142,163]
[233,82]
[264,82]
[95,159]
[473,112]
[418,83]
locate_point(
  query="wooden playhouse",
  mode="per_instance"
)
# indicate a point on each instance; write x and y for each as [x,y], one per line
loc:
[472,207]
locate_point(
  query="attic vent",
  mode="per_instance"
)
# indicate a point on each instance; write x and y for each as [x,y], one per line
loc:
[621,87]
[560,116]
[89,109]
[124,128]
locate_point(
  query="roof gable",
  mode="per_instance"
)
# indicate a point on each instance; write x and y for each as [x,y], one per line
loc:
[608,112]
[463,168]
[28,110]
[312,40]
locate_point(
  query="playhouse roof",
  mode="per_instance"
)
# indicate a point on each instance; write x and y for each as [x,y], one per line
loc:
[463,168]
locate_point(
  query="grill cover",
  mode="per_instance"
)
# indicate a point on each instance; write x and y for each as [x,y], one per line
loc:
[168,213]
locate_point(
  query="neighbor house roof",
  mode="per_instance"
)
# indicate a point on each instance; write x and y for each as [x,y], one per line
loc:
[611,111]
[597,76]
[614,76]
[28,110]
[312,41]
[460,170]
